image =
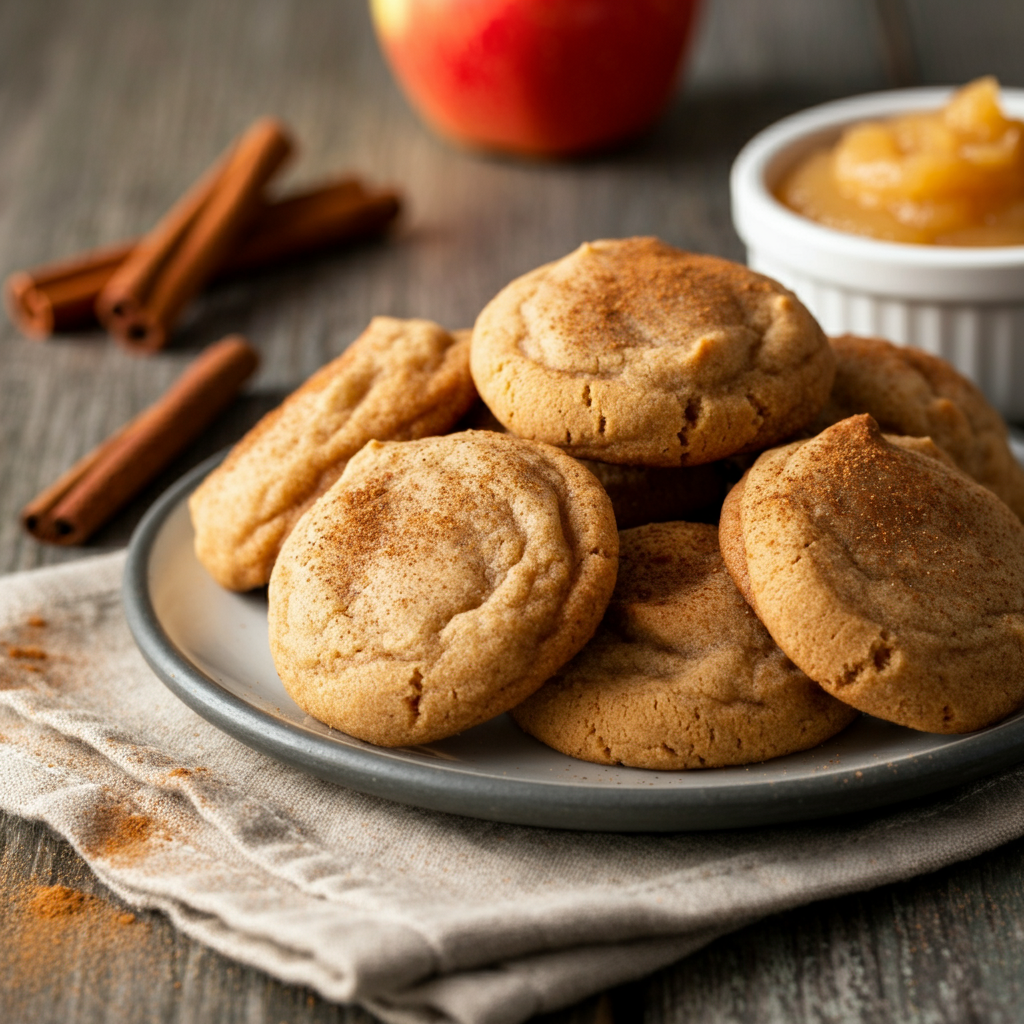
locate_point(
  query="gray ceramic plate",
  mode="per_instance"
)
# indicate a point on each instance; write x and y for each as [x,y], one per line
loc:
[210,647]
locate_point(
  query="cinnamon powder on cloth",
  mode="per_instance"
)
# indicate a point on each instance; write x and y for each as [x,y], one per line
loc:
[419,916]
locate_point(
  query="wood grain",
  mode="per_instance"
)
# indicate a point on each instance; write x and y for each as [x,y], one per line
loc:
[110,108]
[944,948]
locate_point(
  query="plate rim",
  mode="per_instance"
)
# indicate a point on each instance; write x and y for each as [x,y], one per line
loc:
[441,787]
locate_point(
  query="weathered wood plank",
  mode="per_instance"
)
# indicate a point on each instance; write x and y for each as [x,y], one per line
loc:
[943,948]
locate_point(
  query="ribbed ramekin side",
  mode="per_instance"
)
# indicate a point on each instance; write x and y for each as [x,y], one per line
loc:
[985,342]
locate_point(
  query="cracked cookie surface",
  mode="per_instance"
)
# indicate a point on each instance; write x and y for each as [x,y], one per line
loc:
[633,351]
[399,380]
[680,673]
[911,392]
[887,574]
[439,583]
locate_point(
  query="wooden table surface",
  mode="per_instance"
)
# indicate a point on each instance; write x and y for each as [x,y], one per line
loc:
[109,109]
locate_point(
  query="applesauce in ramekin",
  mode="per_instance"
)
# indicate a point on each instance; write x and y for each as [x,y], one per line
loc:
[952,176]
[964,303]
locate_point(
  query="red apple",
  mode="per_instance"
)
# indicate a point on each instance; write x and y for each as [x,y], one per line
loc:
[549,77]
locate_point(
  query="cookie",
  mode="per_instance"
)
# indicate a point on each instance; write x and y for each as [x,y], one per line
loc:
[633,351]
[439,583]
[680,673]
[888,575]
[908,391]
[730,530]
[401,379]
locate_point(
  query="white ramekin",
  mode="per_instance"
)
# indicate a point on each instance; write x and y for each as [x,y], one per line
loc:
[963,304]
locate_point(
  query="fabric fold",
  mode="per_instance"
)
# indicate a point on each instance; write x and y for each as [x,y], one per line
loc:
[418,916]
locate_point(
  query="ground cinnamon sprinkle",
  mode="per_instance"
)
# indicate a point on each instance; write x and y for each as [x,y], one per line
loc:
[56,901]
[25,657]
[24,651]
[118,832]
[54,935]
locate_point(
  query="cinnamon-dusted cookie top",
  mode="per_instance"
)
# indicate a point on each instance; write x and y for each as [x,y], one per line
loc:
[730,527]
[908,391]
[400,379]
[633,351]
[889,576]
[680,673]
[439,583]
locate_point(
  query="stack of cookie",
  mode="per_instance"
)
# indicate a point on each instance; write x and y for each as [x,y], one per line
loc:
[422,582]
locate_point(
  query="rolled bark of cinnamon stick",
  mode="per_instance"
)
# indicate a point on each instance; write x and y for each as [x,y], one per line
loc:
[134,276]
[97,486]
[34,514]
[141,301]
[62,296]
[312,221]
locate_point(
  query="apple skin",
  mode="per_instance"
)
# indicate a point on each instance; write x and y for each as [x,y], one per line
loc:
[538,77]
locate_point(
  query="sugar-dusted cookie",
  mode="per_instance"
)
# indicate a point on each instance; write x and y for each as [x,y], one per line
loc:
[680,673]
[730,529]
[400,379]
[908,391]
[633,351]
[438,583]
[889,576]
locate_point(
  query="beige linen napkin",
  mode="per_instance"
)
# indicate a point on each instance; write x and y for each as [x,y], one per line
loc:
[418,916]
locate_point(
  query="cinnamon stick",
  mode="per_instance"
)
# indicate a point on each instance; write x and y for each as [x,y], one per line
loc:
[142,299]
[144,260]
[311,221]
[33,513]
[88,494]
[62,296]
